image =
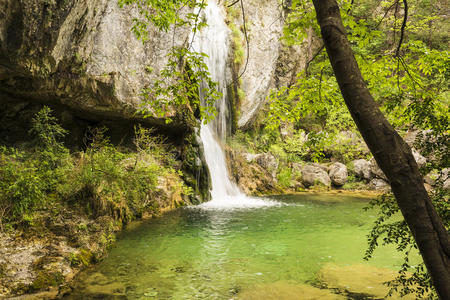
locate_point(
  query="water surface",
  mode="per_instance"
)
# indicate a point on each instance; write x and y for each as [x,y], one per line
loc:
[195,253]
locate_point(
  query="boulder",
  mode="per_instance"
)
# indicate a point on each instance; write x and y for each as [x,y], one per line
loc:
[267,161]
[312,175]
[362,168]
[376,171]
[446,184]
[379,184]
[249,157]
[420,160]
[338,174]
[429,179]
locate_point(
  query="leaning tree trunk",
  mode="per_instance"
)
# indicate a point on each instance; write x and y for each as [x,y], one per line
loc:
[392,154]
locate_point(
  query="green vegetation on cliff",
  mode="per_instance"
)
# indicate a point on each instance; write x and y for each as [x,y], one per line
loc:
[101,180]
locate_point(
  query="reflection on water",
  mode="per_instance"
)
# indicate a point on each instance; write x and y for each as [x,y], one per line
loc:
[193,253]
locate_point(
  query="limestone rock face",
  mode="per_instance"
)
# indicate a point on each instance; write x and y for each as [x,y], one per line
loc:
[81,54]
[271,63]
[265,29]
[362,168]
[338,174]
[312,175]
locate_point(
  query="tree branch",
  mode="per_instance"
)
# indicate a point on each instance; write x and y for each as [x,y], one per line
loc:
[402,30]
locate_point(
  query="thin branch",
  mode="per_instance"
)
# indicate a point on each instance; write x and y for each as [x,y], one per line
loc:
[385,14]
[195,24]
[233,3]
[350,8]
[402,30]
[313,58]
[246,39]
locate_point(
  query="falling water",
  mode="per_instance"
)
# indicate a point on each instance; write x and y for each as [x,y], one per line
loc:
[213,41]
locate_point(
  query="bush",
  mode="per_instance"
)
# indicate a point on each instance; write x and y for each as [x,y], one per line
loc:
[27,177]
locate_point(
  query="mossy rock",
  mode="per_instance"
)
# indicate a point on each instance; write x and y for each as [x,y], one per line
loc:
[46,279]
[83,258]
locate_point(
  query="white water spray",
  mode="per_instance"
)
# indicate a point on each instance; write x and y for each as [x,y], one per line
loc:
[213,41]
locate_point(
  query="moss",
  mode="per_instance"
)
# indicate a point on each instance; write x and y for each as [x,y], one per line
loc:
[83,258]
[45,279]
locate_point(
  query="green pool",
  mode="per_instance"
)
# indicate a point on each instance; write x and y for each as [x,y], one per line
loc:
[195,253]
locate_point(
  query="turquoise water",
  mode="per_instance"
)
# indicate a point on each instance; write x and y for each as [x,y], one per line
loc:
[193,253]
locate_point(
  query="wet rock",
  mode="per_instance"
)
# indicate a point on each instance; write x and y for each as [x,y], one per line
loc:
[379,184]
[376,171]
[113,290]
[251,177]
[360,281]
[312,175]
[361,167]
[338,174]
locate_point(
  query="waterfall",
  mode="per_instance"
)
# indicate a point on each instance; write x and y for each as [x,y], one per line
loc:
[213,40]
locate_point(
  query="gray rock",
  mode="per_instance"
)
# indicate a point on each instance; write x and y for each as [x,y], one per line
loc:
[268,162]
[420,160]
[429,179]
[267,28]
[312,175]
[362,168]
[379,184]
[249,157]
[410,137]
[446,185]
[376,171]
[338,174]
[428,187]
[84,56]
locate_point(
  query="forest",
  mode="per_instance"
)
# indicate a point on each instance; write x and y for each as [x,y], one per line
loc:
[247,149]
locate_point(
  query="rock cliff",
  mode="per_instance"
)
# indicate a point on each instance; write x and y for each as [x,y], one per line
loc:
[80,54]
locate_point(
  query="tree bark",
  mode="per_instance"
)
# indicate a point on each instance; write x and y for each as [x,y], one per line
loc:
[392,154]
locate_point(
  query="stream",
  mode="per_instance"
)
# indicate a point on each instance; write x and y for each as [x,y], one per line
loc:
[217,253]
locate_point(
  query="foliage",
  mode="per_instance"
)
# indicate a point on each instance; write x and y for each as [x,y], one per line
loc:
[284,177]
[411,88]
[179,86]
[28,177]
[392,229]
[185,75]
[22,188]
[35,179]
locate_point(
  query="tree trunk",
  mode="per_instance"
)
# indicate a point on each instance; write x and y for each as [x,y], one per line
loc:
[392,154]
